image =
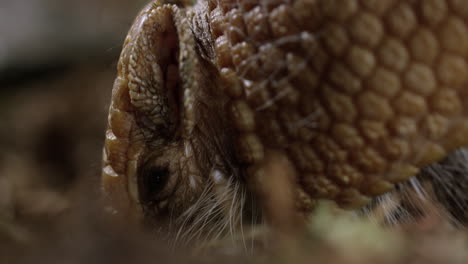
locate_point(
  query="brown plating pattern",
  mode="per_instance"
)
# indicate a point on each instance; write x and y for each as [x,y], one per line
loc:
[357,95]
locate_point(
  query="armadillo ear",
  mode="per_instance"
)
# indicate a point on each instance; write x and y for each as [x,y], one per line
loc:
[153,67]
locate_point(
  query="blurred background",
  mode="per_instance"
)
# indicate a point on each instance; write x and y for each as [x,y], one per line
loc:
[58,62]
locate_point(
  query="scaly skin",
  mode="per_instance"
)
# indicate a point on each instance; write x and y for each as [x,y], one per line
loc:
[355,95]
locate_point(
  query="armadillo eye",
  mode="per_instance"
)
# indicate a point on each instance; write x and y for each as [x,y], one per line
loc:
[153,183]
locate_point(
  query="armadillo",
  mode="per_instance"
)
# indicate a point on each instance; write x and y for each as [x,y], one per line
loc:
[355,96]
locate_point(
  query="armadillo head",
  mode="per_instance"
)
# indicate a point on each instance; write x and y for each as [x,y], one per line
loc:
[169,154]
[353,97]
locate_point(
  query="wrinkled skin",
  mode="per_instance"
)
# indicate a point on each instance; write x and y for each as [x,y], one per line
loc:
[352,96]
